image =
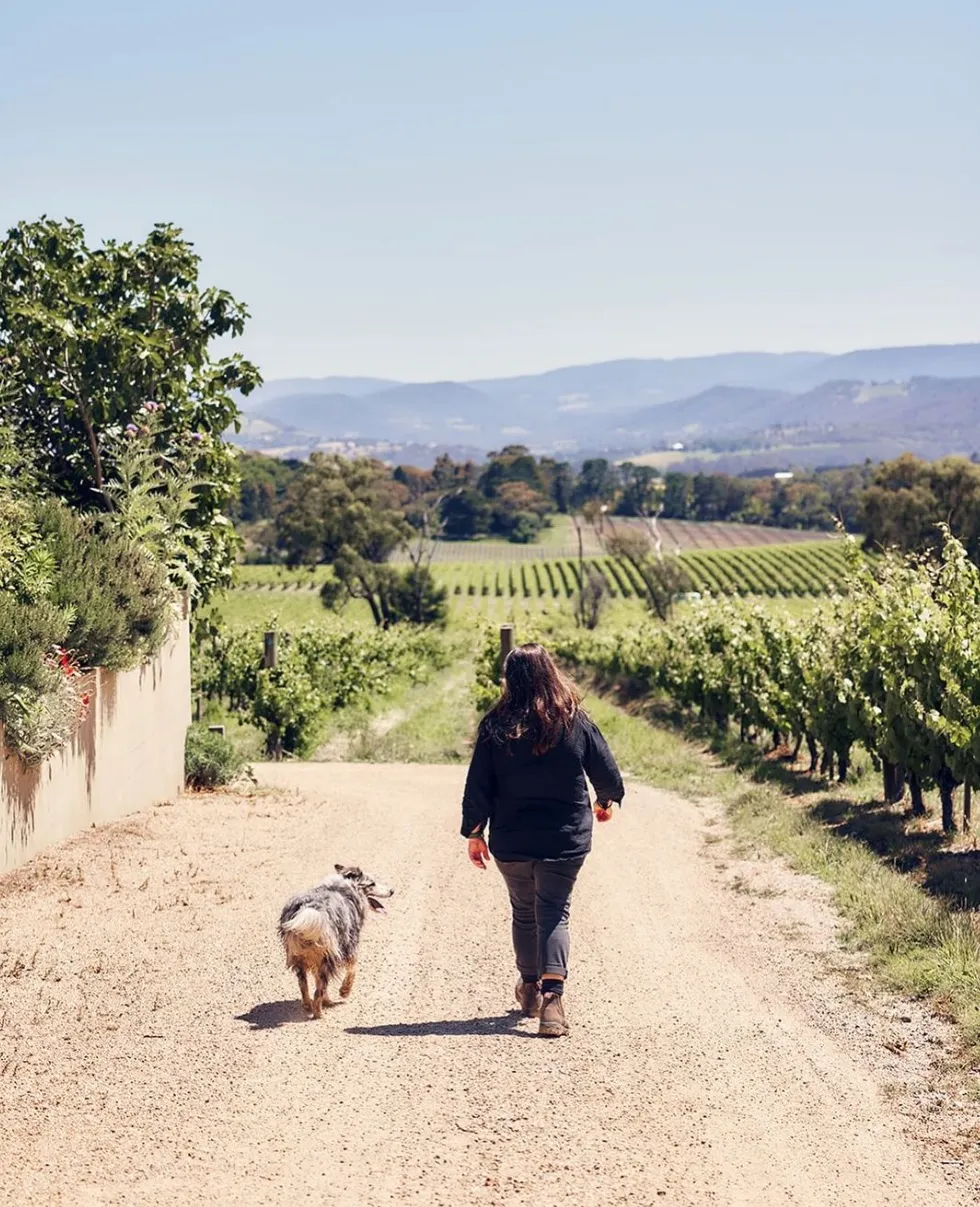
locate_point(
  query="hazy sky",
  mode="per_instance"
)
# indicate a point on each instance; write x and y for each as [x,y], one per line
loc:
[425,190]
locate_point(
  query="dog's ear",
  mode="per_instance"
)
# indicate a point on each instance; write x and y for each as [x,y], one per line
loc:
[339,869]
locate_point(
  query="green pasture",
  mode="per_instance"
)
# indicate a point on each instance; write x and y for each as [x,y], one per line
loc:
[281,578]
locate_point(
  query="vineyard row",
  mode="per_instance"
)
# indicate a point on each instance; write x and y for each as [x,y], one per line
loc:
[798,570]
[892,665]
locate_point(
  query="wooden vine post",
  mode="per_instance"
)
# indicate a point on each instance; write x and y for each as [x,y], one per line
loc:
[270,650]
[270,659]
[506,645]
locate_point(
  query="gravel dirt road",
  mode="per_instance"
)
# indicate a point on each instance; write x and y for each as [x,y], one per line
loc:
[153,1051]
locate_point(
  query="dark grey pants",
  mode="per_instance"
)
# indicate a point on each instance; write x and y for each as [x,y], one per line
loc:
[540,896]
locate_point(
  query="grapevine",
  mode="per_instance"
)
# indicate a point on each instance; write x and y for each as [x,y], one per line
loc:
[892,664]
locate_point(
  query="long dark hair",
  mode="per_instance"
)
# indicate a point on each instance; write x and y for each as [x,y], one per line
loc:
[538,702]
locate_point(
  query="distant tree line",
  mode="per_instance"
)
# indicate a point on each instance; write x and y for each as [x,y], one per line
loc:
[818,499]
[514,495]
[909,499]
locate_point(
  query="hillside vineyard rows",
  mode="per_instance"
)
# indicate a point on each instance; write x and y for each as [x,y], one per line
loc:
[792,571]
[802,569]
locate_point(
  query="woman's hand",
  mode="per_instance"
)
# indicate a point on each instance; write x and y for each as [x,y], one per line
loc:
[603,810]
[478,852]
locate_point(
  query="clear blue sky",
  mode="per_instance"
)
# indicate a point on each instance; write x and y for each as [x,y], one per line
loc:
[423,190]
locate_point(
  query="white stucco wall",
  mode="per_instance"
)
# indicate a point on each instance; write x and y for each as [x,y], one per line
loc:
[127,754]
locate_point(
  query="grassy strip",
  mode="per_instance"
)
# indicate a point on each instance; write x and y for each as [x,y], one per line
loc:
[245,606]
[427,722]
[918,945]
[435,724]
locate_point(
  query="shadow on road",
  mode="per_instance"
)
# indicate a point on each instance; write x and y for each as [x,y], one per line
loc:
[267,1015]
[502,1024]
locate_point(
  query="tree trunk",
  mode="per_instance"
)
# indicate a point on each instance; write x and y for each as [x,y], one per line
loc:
[888,775]
[379,619]
[915,790]
[811,745]
[967,805]
[947,787]
[93,445]
[893,777]
[843,763]
[796,747]
[827,763]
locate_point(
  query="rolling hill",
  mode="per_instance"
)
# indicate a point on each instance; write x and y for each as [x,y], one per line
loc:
[941,408]
[925,398]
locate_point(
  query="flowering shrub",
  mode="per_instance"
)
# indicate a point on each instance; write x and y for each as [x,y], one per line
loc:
[37,725]
[78,595]
[40,697]
[67,663]
[115,593]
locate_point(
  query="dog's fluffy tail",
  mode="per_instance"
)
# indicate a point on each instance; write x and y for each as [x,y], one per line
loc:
[306,925]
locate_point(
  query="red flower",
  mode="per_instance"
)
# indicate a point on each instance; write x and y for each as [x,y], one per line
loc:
[66,662]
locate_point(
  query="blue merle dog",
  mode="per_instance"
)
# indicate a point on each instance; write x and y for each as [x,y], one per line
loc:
[320,930]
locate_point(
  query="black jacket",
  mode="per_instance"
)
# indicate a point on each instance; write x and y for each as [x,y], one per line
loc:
[538,805]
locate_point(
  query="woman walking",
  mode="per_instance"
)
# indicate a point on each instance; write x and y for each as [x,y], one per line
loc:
[527,779]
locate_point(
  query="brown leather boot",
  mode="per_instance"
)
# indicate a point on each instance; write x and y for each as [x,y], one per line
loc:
[528,998]
[553,1022]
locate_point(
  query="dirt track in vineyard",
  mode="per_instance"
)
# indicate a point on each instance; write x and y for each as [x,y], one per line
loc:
[152,1049]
